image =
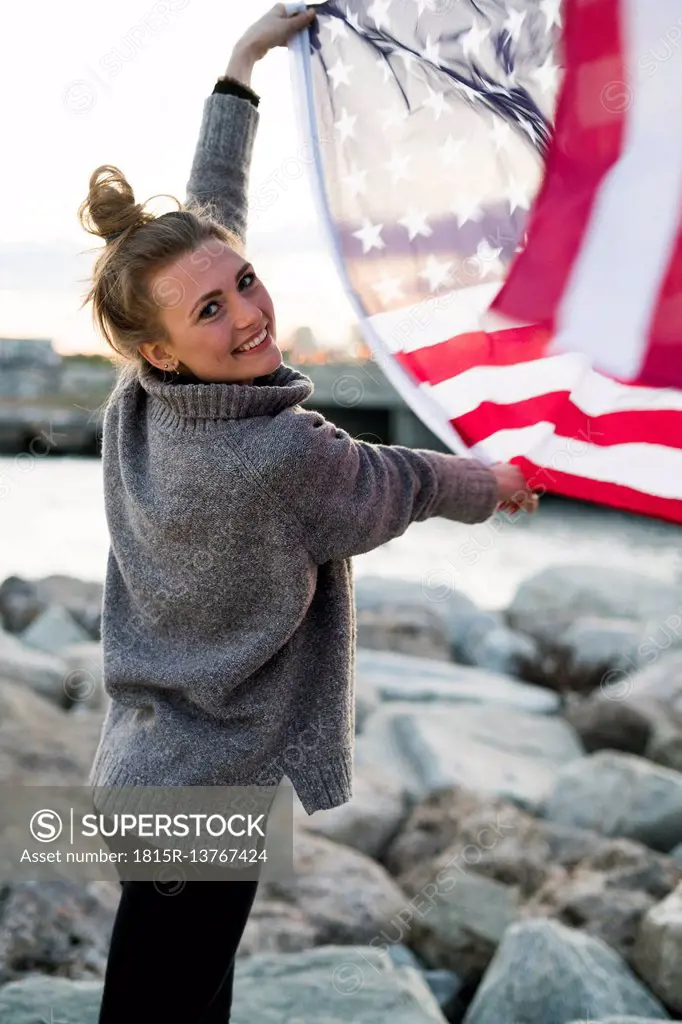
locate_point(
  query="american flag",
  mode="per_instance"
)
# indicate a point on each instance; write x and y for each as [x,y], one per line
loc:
[501,184]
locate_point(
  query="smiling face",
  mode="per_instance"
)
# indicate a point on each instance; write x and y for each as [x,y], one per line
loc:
[214,309]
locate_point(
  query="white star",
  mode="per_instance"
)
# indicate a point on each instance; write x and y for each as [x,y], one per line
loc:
[452,149]
[356,181]
[370,236]
[435,100]
[436,272]
[394,116]
[397,166]
[471,40]
[467,208]
[514,23]
[501,134]
[519,195]
[383,63]
[432,51]
[415,224]
[389,289]
[353,21]
[346,125]
[336,28]
[378,12]
[339,73]
[547,75]
[408,59]
[551,11]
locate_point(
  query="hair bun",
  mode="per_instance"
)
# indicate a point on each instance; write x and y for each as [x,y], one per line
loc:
[110,207]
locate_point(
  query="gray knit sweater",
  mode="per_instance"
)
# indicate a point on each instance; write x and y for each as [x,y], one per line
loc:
[229,620]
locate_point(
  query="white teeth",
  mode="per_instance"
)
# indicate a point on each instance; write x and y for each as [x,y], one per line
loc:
[252,344]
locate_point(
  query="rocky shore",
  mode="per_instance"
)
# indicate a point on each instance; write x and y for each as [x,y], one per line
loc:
[512,853]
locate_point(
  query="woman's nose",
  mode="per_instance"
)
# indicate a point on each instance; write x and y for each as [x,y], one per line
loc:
[244,313]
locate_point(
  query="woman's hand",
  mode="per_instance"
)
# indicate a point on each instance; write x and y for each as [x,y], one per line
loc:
[274,29]
[514,493]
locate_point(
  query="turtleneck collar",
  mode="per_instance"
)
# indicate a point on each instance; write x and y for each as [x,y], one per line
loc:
[270,394]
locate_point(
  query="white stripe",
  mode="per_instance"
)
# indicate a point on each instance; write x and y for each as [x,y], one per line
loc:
[613,290]
[436,319]
[649,468]
[591,392]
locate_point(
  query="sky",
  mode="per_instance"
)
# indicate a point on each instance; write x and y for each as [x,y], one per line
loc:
[85,84]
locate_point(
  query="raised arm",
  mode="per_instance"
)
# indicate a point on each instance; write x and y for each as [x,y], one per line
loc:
[219,176]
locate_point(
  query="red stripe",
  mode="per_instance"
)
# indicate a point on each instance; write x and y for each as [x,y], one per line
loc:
[436,363]
[615,495]
[656,426]
[586,142]
[663,363]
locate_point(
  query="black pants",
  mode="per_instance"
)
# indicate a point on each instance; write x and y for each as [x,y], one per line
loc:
[172,951]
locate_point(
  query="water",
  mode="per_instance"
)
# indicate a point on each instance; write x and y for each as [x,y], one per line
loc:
[52,521]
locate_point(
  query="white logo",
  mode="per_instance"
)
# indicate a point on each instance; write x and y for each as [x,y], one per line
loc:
[46,826]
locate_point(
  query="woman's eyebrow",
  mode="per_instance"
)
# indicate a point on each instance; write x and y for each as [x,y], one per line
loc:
[216,291]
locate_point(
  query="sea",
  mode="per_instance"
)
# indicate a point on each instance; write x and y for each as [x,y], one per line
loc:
[52,521]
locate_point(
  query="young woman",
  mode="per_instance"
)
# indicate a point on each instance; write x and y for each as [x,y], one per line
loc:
[228,623]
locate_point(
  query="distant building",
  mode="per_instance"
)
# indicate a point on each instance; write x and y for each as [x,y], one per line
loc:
[29,351]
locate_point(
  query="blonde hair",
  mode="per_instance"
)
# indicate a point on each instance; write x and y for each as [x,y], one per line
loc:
[124,310]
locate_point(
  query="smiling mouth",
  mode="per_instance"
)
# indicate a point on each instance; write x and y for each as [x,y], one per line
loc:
[257,343]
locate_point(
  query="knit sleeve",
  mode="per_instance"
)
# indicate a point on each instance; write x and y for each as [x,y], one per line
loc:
[219,176]
[351,496]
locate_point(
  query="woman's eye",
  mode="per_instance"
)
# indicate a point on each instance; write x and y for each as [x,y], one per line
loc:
[248,279]
[207,306]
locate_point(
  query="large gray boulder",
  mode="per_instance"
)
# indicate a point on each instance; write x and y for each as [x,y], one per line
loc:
[489,749]
[343,895]
[53,630]
[620,795]
[43,673]
[337,985]
[545,973]
[402,677]
[40,744]
[658,951]
[22,601]
[562,594]
[56,927]
[368,821]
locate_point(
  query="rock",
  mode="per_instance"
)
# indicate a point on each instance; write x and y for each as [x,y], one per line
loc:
[38,999]
[461,620]
[545,973]
[593,647]
[400,677]
[367,701]
[345,896]
[620,795]
[53,630]
[369,820]
[445,985]
[461,923]
[487,749]
[658,951]
[665,745]
[82,598]
[334,984]
[276,927]
[56,927]
[19,603]
[413,630]
[602,886]
[609,725]
[561,594]
[404,956]
[346,985]
[84,681]
[621,1020]
[43,673]
[659,685]
[41,744]
[504,650]
[676,853]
